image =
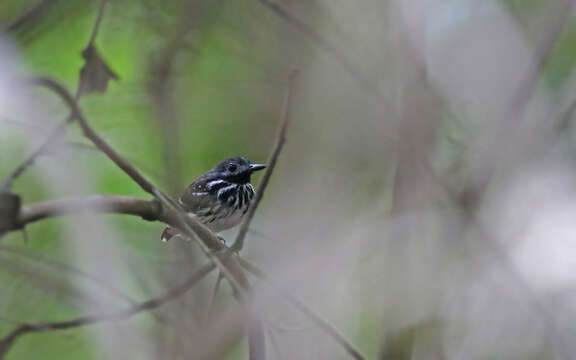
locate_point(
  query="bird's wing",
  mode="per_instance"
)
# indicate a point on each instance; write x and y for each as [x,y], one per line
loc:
[196,198]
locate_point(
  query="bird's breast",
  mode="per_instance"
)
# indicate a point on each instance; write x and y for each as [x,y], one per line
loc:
[231,202]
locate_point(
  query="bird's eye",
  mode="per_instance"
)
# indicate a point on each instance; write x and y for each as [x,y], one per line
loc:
[231,168]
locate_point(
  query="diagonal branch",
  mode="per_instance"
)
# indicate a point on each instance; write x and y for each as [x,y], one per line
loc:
[271,165]
[31,15]
[8,341]
[97,23]
[315,318]
[55,134]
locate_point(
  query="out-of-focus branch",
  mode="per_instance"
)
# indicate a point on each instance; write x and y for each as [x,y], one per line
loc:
[60,129]
[542,53]
[55,134]
[315,318]
[547,43]
[351,68]
[45,261]
[271,165]
[146,209]
[161,90]
[97,23]
[171,294]
[31,15]
[565,117]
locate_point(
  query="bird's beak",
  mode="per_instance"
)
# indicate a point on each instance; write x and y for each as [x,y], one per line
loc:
[256,167]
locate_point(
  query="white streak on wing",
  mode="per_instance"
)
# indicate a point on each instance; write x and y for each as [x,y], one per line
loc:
[200,193]
[213,183]
[224,189]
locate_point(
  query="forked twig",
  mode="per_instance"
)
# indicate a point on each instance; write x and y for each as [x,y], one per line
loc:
[172,293]
[271,165]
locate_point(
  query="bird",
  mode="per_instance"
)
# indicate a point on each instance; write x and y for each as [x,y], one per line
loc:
[220,197]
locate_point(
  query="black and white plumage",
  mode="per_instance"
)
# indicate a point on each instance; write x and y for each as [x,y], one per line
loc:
[221,197]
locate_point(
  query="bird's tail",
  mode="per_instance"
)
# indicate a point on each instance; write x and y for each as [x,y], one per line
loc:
[168,233]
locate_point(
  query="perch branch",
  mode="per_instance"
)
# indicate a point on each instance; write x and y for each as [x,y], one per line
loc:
[146,209]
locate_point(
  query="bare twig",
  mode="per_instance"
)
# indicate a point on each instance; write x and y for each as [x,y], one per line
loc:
[315,318]
[97,23]
[271,165]
[7,341]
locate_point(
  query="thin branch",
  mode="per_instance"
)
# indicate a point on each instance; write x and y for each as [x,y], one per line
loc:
[8,341]
[271,165]
[77,114]
[329,329]
[97,23]
[213,297]
[55,134]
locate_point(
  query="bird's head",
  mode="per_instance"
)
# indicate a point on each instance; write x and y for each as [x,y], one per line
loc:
[236,170]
